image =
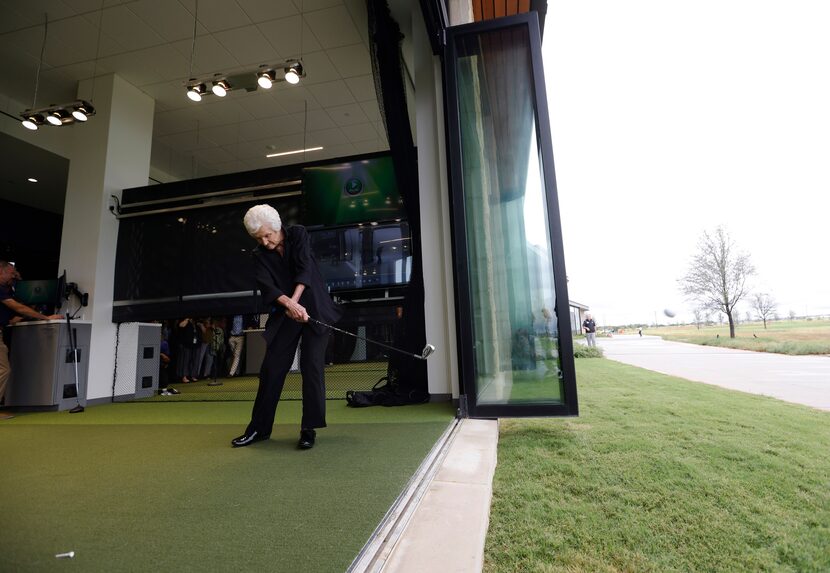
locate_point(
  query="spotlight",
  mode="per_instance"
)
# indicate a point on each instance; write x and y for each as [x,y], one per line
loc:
[266,78]
[293,73]
[195,92]
[220,88]
[32,121]
[55,118]
[81,113]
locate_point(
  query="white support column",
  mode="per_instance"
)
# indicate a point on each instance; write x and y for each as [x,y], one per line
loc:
[436,241]
[110,152]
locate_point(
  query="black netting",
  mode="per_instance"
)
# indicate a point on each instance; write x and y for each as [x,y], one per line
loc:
[387,68]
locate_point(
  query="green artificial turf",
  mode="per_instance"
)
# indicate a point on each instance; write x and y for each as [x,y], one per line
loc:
[662,474]
[157,487]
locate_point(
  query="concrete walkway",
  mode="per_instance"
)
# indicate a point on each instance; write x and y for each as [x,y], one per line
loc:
[799,379]
[447,528]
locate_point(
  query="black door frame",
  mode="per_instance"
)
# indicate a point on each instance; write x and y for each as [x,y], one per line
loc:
[464,335]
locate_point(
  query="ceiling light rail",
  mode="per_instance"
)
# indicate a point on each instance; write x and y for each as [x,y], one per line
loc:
[57,115]
[265,76]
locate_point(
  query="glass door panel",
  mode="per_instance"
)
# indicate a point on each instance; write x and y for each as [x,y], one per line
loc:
[506,224]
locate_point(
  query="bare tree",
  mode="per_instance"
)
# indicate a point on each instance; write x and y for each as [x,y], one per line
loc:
[717,276]
[764,305]
[698,313]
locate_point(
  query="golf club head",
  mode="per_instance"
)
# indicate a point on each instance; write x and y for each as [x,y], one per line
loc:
[428,349]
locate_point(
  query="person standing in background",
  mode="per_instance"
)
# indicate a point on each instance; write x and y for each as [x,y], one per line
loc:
[236,341]
[187,344]
[10,311]
[590,328]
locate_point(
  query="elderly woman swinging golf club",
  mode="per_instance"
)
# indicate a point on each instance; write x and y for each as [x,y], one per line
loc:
[291,284]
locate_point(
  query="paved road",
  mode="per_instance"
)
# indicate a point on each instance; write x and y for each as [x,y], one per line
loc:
[799,379]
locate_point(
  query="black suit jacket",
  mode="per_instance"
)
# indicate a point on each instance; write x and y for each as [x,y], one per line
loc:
[302,269]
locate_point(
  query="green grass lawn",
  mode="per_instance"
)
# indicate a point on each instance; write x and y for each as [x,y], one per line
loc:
[782,337]
[662,474]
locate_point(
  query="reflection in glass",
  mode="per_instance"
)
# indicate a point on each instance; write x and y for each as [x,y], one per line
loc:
[511,288]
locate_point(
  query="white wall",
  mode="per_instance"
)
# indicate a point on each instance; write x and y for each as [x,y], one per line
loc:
[111,152]
[436,242]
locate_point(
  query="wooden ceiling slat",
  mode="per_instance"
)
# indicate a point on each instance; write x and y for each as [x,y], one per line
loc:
[500,8]
[489,9]
[478,14]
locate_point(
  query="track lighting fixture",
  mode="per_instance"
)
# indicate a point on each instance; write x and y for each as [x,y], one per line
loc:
[263,77]
[65,114]
[221,88]
[57,115]
[266,79]
[32,121]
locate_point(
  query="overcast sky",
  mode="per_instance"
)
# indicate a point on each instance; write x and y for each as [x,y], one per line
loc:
[669,118]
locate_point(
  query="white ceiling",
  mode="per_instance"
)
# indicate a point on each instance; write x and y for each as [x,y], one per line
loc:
[149,42]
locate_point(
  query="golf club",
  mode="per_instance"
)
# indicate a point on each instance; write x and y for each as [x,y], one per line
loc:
[73,345]
[428,349]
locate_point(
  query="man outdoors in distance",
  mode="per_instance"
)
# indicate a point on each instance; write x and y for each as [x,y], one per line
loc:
[590,330]
[10,312]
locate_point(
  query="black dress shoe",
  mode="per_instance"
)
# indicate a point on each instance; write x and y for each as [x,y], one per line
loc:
[249,438]
[307,438]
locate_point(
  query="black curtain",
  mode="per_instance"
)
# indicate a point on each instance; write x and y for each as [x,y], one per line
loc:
[385,39]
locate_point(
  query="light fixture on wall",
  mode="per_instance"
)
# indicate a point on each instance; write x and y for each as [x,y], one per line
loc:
[57,115]
[263,77]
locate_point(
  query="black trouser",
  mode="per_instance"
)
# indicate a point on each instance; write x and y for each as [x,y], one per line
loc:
[275,366]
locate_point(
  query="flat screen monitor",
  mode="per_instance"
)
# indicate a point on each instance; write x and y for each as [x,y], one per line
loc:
[37,292]
[359,191]
[363,256]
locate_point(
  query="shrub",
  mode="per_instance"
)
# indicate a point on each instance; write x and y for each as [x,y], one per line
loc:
[581,351]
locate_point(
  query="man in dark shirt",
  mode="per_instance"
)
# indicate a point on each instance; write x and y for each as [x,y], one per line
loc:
[590,330]
[291,284]
[9,309]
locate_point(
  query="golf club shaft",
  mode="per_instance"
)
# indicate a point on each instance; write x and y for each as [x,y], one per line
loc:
[73,344]
[366,339]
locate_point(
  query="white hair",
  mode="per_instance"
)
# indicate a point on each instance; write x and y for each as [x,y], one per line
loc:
[259,216]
